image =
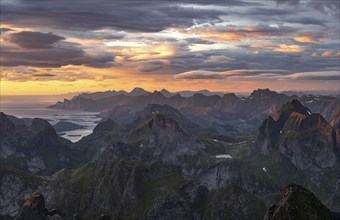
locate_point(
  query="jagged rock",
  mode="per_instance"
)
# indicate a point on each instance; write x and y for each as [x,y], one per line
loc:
[15,185]
[33,208]
[33,146]
[267,136]
[299,203]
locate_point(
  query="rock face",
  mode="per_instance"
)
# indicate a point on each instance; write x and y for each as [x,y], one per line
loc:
[159,138]
[299,203]
[135,190]
[34,209]
[34,147]
[15,185]
[304,139]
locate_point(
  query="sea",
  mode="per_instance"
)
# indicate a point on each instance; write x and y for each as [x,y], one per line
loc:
[36,107]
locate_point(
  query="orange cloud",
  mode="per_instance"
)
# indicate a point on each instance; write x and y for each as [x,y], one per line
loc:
[282,48]
[327,54]
[306,39]
[285,48]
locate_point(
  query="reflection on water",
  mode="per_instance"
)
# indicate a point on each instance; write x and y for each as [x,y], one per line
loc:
[35,107]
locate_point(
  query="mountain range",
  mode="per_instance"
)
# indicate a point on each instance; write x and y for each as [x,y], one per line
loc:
[175,157]
[225,113]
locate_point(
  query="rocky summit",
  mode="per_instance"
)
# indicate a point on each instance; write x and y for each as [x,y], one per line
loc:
[299,203]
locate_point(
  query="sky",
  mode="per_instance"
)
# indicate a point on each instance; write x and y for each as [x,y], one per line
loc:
[62,46]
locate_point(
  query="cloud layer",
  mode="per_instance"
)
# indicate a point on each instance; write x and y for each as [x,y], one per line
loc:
[170,41]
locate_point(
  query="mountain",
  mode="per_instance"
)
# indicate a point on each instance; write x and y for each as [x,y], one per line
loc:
[214,113]
[67,126]
[166,93]
[159,138]
[134,190]
[35,147]
[335,123]
[100,95]
[168,111]
[304,141]
[138,92]
[299,203]
[16,185]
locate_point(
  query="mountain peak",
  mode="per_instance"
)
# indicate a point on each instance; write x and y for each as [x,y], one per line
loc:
[263,94]
[5,123]
[39,124]
[298,203]
[166,93]
[103,126]
[287,109]
[138,92]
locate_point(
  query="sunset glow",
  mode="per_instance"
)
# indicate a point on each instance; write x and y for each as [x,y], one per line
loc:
[50,49]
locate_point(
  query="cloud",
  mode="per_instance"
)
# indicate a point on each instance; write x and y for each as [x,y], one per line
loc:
[52,57]
[327,54]
[43,75]
[3,30]
[324,75]
[330,7]
[285,48]
[34,40]
[282,48]
[306,39]
[219,59]
[236,34]
[253,74]
[199,74]
[139,16]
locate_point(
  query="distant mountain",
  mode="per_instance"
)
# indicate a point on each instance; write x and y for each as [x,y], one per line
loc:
[227,113]
[66,126]
[167,110]
[138,92]
[299,203]
[100,95]
[166,93]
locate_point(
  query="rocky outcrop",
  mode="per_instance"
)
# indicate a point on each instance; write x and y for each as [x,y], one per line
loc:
[34,209]
[33,146]
[15,186]
[299,203]
[335,123]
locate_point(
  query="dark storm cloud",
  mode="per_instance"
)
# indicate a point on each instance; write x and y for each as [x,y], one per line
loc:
[51,57]
[146,16]
[34,40]
[304,20]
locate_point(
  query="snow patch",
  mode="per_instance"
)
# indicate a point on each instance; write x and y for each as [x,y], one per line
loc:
[309,101]
[264,169]
[223,156]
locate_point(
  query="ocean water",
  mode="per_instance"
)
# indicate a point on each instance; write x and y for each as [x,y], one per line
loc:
[35,107]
